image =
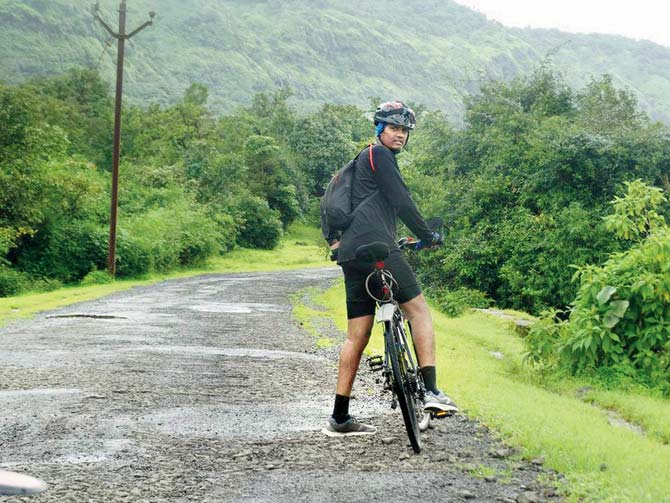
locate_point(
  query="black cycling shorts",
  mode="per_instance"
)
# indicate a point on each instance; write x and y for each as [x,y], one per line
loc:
[359,303]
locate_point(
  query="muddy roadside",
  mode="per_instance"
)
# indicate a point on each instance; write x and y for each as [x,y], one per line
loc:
[208,389]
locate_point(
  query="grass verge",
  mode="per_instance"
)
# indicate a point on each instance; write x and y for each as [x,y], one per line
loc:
[299,248]
[602,462]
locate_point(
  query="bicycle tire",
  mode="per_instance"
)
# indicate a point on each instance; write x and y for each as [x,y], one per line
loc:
[401,386]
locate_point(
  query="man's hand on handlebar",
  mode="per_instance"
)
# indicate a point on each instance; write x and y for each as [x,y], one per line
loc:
[438,239]
[412,244]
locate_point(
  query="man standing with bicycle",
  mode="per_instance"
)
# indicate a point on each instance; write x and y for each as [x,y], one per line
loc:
[380,186]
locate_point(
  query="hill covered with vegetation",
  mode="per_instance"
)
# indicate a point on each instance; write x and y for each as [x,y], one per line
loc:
[434,52]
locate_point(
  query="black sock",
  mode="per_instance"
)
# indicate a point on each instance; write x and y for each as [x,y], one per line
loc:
[341,409]
[430,379]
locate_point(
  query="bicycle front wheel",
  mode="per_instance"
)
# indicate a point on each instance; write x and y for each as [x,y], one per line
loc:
[402,385]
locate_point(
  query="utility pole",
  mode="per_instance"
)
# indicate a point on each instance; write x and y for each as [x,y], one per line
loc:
[121,36]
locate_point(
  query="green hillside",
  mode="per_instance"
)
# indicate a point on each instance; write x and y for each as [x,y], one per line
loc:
[336,51]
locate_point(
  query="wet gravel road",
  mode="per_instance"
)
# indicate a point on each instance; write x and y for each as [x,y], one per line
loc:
[207,389]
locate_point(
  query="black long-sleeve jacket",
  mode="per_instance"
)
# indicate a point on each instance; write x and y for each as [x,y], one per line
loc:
[376,219]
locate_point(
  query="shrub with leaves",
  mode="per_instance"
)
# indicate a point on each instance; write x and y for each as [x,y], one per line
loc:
[454,302]
[97,278]
[261,226]
[12,282]
[621,315]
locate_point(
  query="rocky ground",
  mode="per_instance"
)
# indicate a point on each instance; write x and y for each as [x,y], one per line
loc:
[207,389]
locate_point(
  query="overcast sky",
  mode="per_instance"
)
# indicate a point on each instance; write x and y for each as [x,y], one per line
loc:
[638,19]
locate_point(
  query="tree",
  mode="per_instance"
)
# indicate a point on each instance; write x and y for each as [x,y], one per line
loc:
[619,319]
[525,184]
[271,177]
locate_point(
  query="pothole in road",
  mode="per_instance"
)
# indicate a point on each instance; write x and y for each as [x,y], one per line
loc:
[258,420]
[38,392]
[236,307]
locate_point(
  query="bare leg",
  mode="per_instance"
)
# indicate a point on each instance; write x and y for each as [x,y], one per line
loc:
[358,335]
[417,312]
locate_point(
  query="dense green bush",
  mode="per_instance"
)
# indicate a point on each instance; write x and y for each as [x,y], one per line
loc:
[226,228]
[183,174]
[165,238]
[198,238]
[12,282]
[260,226]
[524,185]
[620,317]
[66,251]
[133,256]
[97,278]
[454,302]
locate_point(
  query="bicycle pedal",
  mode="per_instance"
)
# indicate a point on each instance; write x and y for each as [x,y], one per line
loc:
[376,363]
[440,414]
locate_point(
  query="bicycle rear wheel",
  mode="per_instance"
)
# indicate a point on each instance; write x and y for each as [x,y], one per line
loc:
[402,385]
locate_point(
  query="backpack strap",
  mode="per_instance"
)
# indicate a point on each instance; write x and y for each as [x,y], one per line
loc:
[372,162]
[369,198]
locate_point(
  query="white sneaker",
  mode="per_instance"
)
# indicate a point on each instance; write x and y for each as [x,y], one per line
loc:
[439,402]
[350,427]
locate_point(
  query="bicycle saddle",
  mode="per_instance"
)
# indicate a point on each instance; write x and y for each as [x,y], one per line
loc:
[373,252]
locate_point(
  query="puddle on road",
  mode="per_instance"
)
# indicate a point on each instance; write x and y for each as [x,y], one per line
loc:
[236,307]
[79,450]
[122,313]
[235,352]
[38,392]
[268,420]
[78,459]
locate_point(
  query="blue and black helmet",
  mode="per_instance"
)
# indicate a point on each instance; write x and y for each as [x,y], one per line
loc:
[395,112]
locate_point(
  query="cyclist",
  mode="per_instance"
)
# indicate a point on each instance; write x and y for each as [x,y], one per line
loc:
[377,170]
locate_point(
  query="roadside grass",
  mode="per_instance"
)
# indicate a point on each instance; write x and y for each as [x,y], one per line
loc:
[299,248]
[482,471]
[650,413]
[309,317]
[601,462]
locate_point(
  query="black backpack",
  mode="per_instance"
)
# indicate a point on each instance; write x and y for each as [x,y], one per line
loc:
[336,210]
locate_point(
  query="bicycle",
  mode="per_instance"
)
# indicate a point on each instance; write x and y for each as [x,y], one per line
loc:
[400,371]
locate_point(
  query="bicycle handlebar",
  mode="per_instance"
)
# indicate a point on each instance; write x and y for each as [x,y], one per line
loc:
[409,243]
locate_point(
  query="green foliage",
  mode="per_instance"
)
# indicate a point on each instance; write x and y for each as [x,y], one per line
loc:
[326,141]
[79,102]
[525,184]
[12,281]
[97,278]
[261,226]
[166,238]
[635,215]
[67,251]
[620,318]
[133,256]
[271,177]
[191,186]
[453,303]
[326,51]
